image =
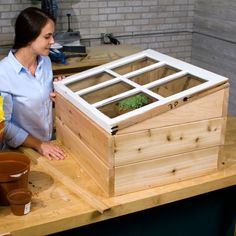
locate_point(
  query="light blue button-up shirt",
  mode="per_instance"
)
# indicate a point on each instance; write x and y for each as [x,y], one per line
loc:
[27,105]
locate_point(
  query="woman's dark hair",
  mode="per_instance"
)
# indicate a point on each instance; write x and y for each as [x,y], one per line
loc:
[28,26]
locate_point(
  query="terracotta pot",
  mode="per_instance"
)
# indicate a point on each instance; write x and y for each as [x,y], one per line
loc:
[14,172]
[20,201]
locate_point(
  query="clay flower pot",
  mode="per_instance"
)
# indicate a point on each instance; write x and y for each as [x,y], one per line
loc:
[14,171]
[20,201]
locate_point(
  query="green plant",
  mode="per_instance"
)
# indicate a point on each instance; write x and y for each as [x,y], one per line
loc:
[133,102]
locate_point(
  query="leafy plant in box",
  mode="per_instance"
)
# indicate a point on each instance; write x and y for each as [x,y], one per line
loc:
[133,102]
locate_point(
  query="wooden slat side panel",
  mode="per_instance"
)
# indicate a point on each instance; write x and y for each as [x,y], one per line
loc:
[95,168]
[171,140]
[228,150]
[89,132]
[208,107]
[221,160]
[223,132]
[142,175]
[226,102]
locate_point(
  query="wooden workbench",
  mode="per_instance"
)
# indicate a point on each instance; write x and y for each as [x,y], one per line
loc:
[56,208]
[95,56]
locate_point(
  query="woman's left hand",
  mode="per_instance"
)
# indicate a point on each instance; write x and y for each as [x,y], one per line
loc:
[59,78]
[45,148]
[51,151]
[53,94]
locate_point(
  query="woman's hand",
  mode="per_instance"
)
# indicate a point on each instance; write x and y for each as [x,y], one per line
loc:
[47,149]
[58,78]
[53,94]
[51,151]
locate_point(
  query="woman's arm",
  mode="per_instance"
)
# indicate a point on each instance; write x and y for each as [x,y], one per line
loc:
[51,151]
[15,136]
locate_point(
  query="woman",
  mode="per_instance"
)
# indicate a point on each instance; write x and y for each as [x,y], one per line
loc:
[26,85]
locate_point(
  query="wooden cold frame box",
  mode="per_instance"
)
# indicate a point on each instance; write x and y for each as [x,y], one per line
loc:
[175,136]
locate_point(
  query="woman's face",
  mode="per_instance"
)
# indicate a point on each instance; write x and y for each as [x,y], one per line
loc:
[42,44]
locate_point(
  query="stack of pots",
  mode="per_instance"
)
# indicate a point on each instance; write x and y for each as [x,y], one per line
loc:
[14,172]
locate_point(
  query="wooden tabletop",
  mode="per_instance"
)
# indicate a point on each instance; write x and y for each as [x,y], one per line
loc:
[95,56]
[56,206]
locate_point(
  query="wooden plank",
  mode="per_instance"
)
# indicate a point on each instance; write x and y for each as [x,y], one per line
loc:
[87,196]
[227,155]
[100,172]
[74,187]
[170,140]
[226,102]
[146,174]
[225,113]
[211,106]
[99,141]
[221,160]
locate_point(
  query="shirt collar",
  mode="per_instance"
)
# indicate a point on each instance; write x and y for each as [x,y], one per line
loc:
[40,61]
[17,66]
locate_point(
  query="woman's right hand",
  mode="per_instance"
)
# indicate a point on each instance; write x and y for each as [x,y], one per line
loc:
[51,151]
[45,148]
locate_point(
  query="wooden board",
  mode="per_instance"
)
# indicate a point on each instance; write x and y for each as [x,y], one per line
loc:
[98,140]
[161,171]
[102,174]
[159,142]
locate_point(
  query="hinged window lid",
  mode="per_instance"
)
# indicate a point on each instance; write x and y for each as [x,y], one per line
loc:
[131,89]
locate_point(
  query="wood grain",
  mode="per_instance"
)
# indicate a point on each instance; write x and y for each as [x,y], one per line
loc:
[160,142]
[102,174]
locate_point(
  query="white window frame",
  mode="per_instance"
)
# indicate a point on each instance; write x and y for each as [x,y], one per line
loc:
[107,123]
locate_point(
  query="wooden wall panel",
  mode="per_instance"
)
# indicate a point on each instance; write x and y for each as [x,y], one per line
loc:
[170,140]
[95,168]
[98,140]
[146,174]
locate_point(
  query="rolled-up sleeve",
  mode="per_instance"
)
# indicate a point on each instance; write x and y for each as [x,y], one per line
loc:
[27,104]
[14,136]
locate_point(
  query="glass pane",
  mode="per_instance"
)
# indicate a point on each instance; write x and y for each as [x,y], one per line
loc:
[154,75]
[106,92]
[89,81]
[135,65]
[126,105]
[177,85]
